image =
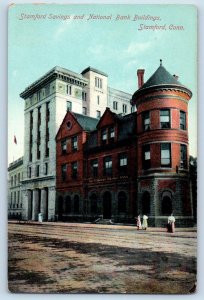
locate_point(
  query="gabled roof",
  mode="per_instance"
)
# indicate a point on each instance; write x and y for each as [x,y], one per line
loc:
[87,123]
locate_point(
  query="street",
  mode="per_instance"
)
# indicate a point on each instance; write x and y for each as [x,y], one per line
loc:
[92,258]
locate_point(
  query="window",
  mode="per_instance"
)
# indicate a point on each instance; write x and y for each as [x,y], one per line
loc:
[84,111]
[146,120]
[111,134]
[46,168]
[93,200]
[74,143]
[64,146]
[64,172]
[76,204]
[94,167]
[69,106]
[74,169]
[98,114]
[122,163]
[124,108]
[19,176]
[15,180]
[165,118]
[98,100]
[29,172]
[146,157]
[103,136]
[48,111]
[69,89]
[11,180]
[115,105]
[98,82]
[132,109]
[182,120]
[107,168]
[84,96]
[166,155]
[37,171]
[183,157]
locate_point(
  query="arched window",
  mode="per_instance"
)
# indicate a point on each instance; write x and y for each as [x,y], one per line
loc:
[68,205]
[146,203]
[122,200]
[76,204]
[166,205]
[93,201]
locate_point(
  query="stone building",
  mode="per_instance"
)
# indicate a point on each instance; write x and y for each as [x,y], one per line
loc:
[46,102]
[15,173]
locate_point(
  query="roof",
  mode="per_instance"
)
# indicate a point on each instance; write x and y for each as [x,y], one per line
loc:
[161,77]
[87,123]
[93,70]
[50,75]
[126,128]
[15,164]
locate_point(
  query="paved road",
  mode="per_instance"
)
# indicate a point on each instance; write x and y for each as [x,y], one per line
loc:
[87,258]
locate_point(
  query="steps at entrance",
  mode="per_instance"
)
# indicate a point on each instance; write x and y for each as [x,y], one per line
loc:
[103,221]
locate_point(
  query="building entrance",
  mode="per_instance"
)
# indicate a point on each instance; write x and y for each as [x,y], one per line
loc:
[107,199]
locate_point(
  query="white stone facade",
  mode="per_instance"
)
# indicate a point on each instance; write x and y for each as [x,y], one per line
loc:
[46,103]
[15,173]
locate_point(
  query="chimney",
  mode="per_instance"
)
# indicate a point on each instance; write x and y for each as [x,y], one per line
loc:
[140,76]
[176,77]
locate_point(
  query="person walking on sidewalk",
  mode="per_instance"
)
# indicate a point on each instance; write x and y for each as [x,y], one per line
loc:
[171,224]
[138,222]
[144,222]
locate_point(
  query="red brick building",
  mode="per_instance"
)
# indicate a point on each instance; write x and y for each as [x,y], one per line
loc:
[119,166]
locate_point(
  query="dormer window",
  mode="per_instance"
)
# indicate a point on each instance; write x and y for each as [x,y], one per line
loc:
[103,136]
[111,134]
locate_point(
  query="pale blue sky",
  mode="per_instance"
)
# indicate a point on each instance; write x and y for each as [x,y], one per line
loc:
[116,47]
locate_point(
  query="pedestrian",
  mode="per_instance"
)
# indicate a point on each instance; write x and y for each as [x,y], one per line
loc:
[138,222]
[144,222]
[171,224]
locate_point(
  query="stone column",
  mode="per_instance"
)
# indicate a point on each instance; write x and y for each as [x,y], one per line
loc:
[44,208]
[51,203]
[35,205]
[25,204]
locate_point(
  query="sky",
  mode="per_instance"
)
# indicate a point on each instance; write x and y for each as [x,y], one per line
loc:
[116,47]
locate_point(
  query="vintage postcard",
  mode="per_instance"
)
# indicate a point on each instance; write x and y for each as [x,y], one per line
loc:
[102,148]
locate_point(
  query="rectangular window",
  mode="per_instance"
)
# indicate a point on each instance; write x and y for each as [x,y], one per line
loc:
[47,111]
[98,100]
[124,108]
[94,167]
[166,155]
[37,171]
[182,120]
[183,157]
[69,106]
[111,134]
[74,169]
[98,82]
[98,114]
[29,172]
[46,168]
[115,105]
[69,89]
[165,118]
[74,143]
[146,120]
[146,157]
[122,164]
[64,172]
[84,96]
[107,166]
[84,111]
[103,136]
[64,146]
